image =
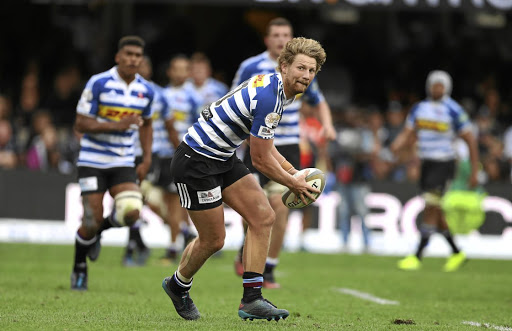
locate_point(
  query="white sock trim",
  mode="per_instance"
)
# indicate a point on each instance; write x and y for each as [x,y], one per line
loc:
[272,261]
[182,279]
[85,242]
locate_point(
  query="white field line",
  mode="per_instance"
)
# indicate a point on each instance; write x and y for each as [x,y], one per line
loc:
[367,296]
[487,325]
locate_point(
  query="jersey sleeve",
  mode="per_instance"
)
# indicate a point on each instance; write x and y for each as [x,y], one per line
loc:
[460,119]
[313,95]
[411,118]
[242,74]
[165,108]
[266,113]
[88,104]
[147,112]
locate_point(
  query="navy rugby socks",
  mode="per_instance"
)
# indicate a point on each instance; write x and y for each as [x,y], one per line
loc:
[253,282]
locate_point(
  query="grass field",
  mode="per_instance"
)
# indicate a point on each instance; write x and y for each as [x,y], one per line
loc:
[34,294]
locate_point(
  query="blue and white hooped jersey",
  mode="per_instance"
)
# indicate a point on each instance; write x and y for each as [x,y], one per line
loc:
[254,108]
[437,123]
[185,106]
[160,113]
[288,131]
[108,98]
[211,91]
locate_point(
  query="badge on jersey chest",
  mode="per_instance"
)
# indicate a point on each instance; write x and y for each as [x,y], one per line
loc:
[272,120]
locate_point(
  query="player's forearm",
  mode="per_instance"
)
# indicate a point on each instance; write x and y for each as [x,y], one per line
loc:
[474,157]
[172,133]
[146,140]
[273,168]
[85,124]
[324,114]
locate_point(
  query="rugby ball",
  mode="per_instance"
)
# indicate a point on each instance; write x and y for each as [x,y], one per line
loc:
[315,178]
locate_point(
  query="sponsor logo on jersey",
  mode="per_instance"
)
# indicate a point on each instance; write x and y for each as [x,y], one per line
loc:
[88,184]
[272,120]
[432,125]
[258,81]
[180,116]
[206,113]
[209,196]
[117,113]
[265,132]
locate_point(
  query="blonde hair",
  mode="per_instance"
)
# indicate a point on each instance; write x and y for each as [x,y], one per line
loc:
[301,45]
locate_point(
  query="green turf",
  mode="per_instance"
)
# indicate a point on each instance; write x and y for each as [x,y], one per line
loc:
[34,293]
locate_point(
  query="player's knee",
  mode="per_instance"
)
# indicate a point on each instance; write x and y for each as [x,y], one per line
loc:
[89,223]
[268,218]
[128,205]
[217,245]
[155,198]
[432,198]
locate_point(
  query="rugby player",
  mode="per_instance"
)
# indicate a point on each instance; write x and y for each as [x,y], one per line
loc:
[207,174]
[434,123]
[286,139]
[113,105]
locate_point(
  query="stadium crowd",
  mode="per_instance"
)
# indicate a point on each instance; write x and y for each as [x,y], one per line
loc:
[370,85]
[37,130]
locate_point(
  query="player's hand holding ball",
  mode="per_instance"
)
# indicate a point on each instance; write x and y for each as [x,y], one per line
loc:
[310,184]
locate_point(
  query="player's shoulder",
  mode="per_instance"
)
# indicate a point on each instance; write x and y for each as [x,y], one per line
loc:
[100,79]
[145,84]
[263,82]
[254,60]
[452,105]
[217,84]
[257,63]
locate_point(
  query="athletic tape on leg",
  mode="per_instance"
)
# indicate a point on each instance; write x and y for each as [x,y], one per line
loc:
[126,202]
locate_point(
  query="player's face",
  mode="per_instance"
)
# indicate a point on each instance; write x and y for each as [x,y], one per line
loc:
[298,75]
[179,71]
[200,71]
[277,38]
[437,91]
[128,60]
[145,70]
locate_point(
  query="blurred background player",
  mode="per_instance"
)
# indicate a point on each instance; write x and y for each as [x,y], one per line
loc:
[434,123]
[279,32]
[113,106]
[207,87]
[165,140]
[185,105]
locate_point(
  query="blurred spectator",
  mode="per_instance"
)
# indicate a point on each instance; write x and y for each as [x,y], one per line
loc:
[40,120]
[69,150]
[64,97]
[350,155]
[29,97]
[8,159]
[313,154]
[5,107]
[43,153]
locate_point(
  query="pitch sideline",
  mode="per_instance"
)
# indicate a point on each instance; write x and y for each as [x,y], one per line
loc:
[487,325]
[367,296]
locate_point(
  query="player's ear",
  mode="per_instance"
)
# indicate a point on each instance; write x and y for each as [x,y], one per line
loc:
[117,57]
[284,68]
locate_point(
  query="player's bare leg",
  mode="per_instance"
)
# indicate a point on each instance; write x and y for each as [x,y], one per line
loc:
[276,240]
[457,258]
[246,197]
[174,218]
[211,233]
[86,238]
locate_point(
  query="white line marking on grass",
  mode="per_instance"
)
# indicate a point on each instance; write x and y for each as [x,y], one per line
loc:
[367,296]
[487,325]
